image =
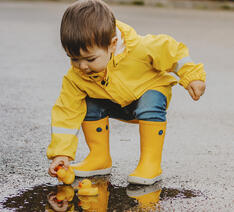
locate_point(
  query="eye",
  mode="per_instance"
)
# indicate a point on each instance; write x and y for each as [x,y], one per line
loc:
[91,60]
[74,60]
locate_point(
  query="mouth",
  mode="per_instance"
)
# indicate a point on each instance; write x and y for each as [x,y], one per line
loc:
[90,73]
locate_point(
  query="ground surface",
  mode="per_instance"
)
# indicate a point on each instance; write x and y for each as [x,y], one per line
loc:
[199,145]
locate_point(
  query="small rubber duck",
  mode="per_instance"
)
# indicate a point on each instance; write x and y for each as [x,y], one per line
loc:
[66,176]
[85,188]
[88,202]
[65,193]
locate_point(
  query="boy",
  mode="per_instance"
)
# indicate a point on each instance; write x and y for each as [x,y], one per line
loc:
[118,74]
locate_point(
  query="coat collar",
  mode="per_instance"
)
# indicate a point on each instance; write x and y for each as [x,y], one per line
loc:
[130,39]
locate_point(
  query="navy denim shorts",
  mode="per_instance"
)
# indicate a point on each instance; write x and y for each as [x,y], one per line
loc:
[151,106]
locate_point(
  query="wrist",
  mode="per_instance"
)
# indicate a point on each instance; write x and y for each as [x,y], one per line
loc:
[62,157]
[185,81]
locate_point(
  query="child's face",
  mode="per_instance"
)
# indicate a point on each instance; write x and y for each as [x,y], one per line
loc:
[95,60]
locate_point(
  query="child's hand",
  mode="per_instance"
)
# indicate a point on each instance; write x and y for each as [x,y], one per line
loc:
[58,161]
[196,89]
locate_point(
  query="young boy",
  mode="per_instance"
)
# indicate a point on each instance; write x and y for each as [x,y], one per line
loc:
[115,73]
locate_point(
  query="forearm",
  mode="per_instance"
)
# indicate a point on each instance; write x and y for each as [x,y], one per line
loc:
[67,116]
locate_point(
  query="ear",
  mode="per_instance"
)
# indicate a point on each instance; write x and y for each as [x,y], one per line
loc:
[112,46]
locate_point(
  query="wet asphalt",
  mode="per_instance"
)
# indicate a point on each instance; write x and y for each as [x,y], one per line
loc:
[198,155]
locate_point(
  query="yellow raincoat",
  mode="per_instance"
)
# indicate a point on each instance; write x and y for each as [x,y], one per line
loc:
[144,64]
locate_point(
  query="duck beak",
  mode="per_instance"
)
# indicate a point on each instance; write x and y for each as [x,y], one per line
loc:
[80,185]
[58,167]
[58,200]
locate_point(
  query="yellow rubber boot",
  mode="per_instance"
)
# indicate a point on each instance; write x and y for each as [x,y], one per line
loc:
[149,169]
[98,162]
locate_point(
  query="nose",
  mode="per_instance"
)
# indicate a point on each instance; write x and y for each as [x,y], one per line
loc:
[83,66]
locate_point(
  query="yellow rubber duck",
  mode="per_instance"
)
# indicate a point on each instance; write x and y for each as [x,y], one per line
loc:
[66,176]
[65,193]
[85,188]
[88,202]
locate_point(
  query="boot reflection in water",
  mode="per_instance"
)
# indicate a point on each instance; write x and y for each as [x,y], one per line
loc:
[61,200]
[96,203]
[146,196]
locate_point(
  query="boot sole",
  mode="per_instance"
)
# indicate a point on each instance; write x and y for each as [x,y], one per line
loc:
[92,173]
[143,181]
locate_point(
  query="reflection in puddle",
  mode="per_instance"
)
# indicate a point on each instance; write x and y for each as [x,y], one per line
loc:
[110,198]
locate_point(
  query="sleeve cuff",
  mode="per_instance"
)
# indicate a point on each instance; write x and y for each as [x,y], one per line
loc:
[52,156]
[192,77]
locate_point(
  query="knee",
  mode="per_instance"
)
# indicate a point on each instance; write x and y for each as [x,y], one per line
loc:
[151,107]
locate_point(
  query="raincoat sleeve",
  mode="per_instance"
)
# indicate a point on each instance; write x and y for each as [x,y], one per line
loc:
[67,115]
[172,56]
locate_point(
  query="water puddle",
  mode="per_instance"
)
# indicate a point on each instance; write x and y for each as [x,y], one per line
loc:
[49,198]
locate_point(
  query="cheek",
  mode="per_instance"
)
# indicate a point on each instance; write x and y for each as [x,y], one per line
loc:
[106,59]
[75,64]
[101,63]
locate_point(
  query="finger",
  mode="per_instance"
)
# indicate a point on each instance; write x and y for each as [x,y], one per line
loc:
[65,205]
[197,92]
[51,174]
[190,90]
[54,166]
[66,163]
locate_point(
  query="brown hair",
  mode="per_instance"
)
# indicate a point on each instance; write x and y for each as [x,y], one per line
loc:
[87,23]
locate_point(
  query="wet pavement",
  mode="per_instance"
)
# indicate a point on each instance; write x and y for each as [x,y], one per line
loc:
[48,197]
[198,167]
